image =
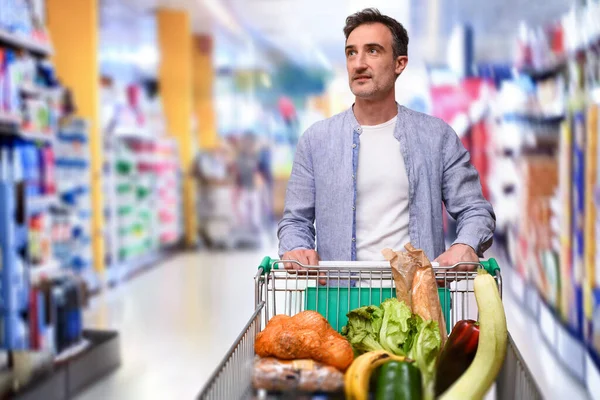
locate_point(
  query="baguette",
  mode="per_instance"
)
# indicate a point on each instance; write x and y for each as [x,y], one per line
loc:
[403,270]
[424,293]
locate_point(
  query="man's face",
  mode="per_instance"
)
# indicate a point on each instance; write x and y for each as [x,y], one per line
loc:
[372,68]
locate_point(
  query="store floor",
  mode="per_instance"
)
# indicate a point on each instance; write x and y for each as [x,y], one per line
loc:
[177,321]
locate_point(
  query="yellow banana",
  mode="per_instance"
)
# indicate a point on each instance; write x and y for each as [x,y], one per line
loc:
[348,380]
[358,375]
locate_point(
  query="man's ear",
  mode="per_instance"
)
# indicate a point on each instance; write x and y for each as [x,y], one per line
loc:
[401,63]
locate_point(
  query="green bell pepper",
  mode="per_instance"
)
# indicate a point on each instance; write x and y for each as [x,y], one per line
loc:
[399,381]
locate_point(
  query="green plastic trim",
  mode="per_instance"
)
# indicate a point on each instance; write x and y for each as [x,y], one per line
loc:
[266,264]
[491,266]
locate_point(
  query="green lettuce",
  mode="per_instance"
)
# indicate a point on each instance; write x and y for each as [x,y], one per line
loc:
[398,327]
[362,330]
[393,327]
[424,350]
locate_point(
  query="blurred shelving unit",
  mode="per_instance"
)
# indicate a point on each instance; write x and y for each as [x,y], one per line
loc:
[43,289]
[142,179]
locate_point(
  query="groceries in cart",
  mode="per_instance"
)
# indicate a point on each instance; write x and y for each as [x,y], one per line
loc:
[416,285]
[306,335]
[397,349]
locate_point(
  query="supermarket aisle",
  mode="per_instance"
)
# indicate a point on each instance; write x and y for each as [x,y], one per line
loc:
[176,322]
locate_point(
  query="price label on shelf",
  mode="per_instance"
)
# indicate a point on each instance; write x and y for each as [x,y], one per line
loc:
[592,375]
[518,287]
[533,301]
[571,351]
[548,325]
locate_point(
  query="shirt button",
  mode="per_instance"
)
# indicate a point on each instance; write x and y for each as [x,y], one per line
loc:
[353,208]
[359,129]
[353,145]
[354,239]
[353,176]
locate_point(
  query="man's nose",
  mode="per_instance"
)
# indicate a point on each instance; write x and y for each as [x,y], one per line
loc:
[359,62]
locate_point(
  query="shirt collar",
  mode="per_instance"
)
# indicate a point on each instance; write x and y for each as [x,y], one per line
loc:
[357,128]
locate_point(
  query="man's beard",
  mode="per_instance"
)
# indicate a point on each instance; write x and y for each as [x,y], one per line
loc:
[362,91]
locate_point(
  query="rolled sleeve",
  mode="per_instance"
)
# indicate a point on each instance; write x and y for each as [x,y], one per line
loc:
[463,197]
[296,229]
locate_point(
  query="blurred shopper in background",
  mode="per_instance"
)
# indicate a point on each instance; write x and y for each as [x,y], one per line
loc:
[375,176]
[248,201]
[265,171]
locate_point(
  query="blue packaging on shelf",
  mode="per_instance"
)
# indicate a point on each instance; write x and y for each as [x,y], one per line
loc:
[576,315]
[7,197]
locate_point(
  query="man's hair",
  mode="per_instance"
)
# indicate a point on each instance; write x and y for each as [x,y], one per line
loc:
[371,16]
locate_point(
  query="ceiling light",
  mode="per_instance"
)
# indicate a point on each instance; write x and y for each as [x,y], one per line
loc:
[222,15]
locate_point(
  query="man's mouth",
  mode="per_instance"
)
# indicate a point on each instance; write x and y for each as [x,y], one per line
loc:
[362,78]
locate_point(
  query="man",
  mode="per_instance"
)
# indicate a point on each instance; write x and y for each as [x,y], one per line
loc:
[376,175]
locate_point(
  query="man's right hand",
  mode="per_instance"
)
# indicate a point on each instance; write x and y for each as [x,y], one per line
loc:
[306,257]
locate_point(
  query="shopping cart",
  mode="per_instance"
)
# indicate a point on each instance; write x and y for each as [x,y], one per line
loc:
[335,288]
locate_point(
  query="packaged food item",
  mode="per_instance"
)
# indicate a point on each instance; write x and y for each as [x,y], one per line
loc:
[575,314]
[566,297]
[591,182]
[296,375]
[403,269]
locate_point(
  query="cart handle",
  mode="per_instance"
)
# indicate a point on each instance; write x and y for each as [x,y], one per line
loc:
[268,264]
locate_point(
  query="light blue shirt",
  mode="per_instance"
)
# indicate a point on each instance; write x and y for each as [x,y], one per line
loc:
[320,203]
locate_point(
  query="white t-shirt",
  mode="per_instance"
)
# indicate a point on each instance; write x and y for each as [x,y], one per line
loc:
[382,193]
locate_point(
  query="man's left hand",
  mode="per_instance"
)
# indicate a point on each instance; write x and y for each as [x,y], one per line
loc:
[458,253]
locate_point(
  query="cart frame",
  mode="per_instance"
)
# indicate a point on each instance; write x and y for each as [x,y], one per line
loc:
[342,284]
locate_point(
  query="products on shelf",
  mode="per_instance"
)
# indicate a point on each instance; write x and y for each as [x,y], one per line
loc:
[55,314]
[575,313]
[21,18]
[134,200]
[72,215]
[564,209]
[539,179]
[141,177]
[29,94]
[551,106]
[168,188]
[591,218]
[15,283]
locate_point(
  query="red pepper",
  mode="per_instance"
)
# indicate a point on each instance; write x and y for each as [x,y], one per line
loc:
[457,355]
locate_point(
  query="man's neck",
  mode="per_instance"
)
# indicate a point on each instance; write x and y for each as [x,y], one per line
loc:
[374,112]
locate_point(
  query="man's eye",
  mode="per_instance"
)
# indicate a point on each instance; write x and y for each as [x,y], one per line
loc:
[351,53]
[373,51]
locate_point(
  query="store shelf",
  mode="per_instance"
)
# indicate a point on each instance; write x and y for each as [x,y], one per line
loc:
[533,119]
[101,356]
[10,125]
[538,340]
[133,133]
[592,371]
[41,203]
[35,91]
[25,43]
[571,351]
[541,74]
[72,351]
[36,136]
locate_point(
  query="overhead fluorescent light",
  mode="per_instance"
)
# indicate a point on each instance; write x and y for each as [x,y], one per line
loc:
[222,16]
